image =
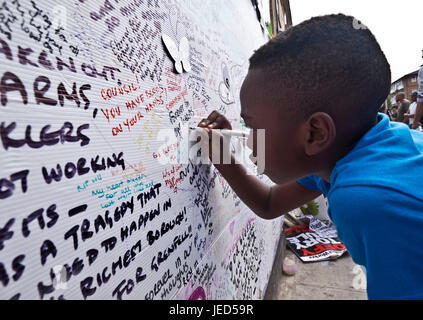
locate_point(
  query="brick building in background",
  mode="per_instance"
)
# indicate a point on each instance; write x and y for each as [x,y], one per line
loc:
[405,84]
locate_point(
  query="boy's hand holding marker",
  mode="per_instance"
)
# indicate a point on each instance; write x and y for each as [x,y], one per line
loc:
[219,130]
[217,140]
[215,120]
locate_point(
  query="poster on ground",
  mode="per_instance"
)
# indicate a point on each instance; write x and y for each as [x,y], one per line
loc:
[314,241]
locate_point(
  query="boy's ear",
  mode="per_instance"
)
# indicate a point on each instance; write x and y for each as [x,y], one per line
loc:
[320,133]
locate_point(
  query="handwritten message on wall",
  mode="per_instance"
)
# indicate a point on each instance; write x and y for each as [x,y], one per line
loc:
[94,200]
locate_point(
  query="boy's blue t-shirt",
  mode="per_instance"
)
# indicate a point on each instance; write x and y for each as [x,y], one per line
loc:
[376,202]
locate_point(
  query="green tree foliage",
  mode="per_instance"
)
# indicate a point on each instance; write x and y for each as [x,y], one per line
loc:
[311,208]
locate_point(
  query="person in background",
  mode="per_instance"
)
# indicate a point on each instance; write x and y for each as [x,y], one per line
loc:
[403,105]
[383,108]
[412,109]
[419,109]
[393,114]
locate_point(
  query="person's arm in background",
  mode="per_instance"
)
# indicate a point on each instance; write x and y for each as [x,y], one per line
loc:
[418,115]
[268,202]
[406,118]
[401,112]
[419,109]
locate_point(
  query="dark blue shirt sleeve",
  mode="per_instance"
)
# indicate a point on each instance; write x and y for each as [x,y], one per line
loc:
[316,183]
[309,182]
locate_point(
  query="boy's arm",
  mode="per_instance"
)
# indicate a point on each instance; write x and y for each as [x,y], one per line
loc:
[406,118]
[268,202]
[401,112]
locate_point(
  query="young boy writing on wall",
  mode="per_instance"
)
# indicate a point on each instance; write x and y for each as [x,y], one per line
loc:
[316,89]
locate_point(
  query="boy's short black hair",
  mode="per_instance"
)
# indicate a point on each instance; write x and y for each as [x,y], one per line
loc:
[327,62]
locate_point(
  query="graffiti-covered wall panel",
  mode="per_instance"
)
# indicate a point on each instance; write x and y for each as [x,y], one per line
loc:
[98,199]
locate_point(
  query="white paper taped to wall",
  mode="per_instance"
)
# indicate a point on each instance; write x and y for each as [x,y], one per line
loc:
[93,203]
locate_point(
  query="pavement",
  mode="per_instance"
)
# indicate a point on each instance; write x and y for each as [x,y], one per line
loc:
[340,279]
